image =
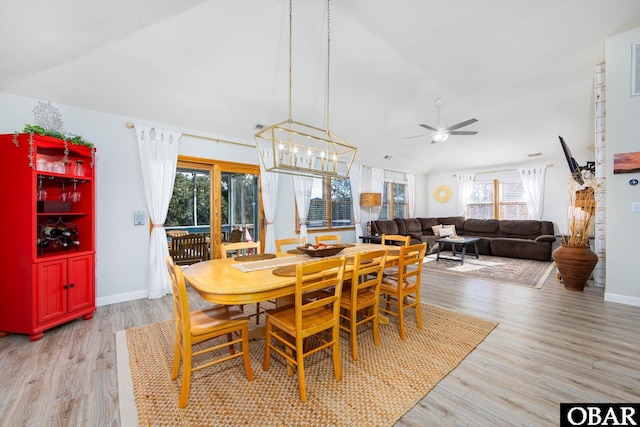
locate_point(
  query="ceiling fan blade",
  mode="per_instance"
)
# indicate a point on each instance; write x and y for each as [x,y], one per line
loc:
[462,124]
[414,136]
[428,127]
[464,132]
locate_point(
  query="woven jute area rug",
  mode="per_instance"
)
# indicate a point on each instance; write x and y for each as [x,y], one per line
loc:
[524,272]
[376,390]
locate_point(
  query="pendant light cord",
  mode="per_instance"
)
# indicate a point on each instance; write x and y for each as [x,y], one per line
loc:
[328,60]
[290,54]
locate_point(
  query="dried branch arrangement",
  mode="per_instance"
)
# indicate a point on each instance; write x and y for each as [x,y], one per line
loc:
[581,215]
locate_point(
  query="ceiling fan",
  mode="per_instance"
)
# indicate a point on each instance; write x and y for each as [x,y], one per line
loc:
[441,132]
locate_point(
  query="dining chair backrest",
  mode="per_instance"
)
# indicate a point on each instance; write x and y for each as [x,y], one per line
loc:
[396,239]
[410,263]
[232,250]
[236,236]
[311,277]
[189,249]
[297,241]
[177,233]
[180,299]
[328,239]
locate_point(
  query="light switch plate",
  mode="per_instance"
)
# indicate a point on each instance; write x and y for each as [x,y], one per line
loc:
[138,217]
[635,206]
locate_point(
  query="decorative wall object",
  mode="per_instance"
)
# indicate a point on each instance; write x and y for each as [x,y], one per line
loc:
[626,162]
[601,174]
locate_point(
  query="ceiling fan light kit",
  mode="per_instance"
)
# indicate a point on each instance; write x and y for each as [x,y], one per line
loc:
[441,132]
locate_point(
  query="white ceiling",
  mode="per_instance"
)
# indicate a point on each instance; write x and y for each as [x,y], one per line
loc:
[524,69]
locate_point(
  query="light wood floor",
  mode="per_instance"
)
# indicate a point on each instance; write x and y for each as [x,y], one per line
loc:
[550,346]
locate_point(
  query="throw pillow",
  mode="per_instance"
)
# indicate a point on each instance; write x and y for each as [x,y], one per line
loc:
[447,231]
[436,229]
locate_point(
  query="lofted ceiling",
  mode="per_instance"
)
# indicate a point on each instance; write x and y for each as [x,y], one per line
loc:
[524,69]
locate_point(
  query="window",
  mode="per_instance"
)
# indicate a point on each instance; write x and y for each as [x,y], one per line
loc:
[330,205]
[190,204]
[394,204]
[498,199]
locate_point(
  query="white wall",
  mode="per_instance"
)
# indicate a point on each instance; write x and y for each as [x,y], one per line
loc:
[622,136]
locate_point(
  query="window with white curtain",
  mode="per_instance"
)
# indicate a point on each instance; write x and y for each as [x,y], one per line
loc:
[330,205]
[394,201]
[500,199]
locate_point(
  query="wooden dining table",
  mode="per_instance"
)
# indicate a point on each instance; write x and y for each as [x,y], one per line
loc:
[231,282]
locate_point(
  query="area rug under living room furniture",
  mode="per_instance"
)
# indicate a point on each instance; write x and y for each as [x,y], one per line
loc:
[513,271]
[378,389]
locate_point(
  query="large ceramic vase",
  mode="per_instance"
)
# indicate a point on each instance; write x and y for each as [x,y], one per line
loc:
[575,264]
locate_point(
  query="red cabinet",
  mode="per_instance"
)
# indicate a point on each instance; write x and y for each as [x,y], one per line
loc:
[48,217]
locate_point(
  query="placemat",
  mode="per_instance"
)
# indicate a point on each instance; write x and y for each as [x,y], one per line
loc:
[286,271]
[254,257]
[294,252]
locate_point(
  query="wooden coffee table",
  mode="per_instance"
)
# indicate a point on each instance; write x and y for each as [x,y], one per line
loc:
[462,243]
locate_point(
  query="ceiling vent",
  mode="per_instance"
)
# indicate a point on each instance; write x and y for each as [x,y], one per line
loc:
[534,154]
[259,126]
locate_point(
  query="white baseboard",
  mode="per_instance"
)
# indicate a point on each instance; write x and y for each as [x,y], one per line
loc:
[622,299]
[114,299]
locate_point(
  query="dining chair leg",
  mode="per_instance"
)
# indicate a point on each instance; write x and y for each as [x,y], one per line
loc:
[300,365]
[418,314]
[337,367]
[376,325]
[232,350]
[176,357]
[245,352]
[403,335]
[267,345]
[353,330]
[186,379]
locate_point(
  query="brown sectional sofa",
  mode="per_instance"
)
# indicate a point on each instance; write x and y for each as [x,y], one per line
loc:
[527,239]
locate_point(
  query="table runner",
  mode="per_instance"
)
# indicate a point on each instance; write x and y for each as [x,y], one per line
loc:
[282,261]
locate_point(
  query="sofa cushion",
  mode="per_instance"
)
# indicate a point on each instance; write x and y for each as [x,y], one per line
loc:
[427,223]
[481,227]
[458,221]
[521,248]
[384,227]
[408,226]
[523,229]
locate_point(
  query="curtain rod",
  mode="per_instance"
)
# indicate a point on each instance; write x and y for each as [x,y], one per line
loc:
[131,125]
[504,170]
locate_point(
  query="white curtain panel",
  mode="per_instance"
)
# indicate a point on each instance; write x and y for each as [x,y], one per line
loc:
[465,188]
[411,195]
[355,177]
[158,160]
[269,184]
[302,186]
[377,185]
[533,182]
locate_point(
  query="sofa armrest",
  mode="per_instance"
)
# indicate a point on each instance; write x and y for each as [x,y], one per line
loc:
[415,236]
[546,238]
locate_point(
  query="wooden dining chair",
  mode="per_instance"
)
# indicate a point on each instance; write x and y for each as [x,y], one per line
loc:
[232,250]
[328,239]
[189,249]
[359,304]
[402,291]
[199,326]
[288,328]
[298,241]
[396,239]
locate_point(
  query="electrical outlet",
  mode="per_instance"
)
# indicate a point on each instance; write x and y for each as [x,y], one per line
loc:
[138,217]
[635,206]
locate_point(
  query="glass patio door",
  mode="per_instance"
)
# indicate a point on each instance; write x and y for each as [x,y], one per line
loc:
[218,199]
